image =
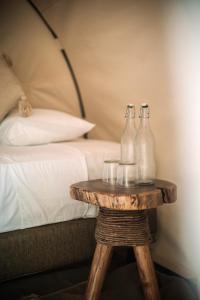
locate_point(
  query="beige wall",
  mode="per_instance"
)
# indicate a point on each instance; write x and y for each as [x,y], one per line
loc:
[130,51]
[116,49]
[36,57]
[179,243]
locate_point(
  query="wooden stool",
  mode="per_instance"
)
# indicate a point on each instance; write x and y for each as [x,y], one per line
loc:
[122,221]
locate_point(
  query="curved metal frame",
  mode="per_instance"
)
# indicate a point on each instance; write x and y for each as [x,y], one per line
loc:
[66,58]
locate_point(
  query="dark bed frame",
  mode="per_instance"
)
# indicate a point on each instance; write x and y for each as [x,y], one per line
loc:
[48,247]
[43,248]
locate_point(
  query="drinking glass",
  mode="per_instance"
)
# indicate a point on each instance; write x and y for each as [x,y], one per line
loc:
[110,171]
[127,174]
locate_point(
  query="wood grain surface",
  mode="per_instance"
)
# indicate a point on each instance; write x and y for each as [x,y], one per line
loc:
[147,272]
[99,267]
[122,198]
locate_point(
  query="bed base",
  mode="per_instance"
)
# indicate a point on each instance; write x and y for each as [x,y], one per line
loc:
[44,248]
[38,249]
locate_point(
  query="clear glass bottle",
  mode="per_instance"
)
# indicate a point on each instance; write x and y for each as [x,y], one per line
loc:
[145,148]
[128,154]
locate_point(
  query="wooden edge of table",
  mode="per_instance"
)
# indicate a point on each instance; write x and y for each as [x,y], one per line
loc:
[114,197]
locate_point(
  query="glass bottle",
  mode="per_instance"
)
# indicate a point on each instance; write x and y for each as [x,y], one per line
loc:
[145,148]
[128,136]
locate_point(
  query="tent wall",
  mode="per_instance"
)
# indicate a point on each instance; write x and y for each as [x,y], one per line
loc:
[115,47]
[124,51]
[36,58]
[179,147]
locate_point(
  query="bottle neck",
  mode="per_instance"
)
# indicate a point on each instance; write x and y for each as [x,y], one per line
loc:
[144,123]
[144,116]
[130,117]
[130,111]
[129,121]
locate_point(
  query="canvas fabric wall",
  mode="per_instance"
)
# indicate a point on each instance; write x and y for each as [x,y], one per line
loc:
[122,52]
[115,48]
[36,58]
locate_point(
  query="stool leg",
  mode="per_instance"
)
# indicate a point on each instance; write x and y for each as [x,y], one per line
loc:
[147,272]
[99,267]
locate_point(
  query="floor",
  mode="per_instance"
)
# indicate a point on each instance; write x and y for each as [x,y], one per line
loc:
[121,282]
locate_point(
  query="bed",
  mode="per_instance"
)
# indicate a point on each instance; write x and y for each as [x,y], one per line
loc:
[41,155]
[41,226]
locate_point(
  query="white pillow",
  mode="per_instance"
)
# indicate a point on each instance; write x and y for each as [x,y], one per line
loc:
[10,88]
[42,127]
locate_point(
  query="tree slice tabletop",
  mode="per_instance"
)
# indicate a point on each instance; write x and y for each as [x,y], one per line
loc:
[122,198]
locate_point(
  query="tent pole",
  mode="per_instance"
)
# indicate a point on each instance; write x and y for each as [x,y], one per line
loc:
[67,61]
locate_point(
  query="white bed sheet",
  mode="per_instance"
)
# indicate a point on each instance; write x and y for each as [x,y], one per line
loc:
[34,181]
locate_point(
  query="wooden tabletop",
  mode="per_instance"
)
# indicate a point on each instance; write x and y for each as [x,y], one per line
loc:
[122,198]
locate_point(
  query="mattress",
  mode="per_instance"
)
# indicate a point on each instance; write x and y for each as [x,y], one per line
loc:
[35,180]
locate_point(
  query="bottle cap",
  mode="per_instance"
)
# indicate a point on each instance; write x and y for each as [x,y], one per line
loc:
[130,105]
[144,105]
[144,110]
[130,111]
